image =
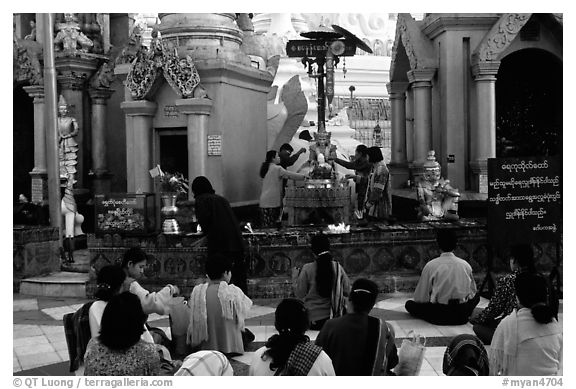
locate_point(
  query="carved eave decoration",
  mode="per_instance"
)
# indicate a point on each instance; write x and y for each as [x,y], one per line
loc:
[26,62]
[145,71]
[417,45]
[499,37]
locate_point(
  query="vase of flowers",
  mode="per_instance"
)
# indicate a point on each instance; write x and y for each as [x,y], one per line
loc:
[172,186]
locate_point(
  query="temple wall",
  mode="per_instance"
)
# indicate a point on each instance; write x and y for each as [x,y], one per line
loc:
[393,256]
[239,111]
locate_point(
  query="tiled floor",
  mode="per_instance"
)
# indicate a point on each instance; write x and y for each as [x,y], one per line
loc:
[40,348]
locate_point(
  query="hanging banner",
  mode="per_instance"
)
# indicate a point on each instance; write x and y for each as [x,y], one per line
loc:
[329,76]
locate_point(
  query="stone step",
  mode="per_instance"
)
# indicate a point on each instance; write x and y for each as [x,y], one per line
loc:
[81,262]
[61,284]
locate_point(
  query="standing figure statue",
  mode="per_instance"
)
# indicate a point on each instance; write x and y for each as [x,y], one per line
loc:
[68,156]
[70,36]
[437,199]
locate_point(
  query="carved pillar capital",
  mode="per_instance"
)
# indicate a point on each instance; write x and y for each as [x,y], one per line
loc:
[397,90]
[421,77]
[73,72]
[198,106]
[485,71]
[139,108]
[100,96]
[36,92]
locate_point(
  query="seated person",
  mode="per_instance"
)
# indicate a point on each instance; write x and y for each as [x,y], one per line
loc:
[529,341]
[503,301]
[322,284]
[290,352]
[218,310]
[133,263]
[446,290]
[357,343]
[119,349]
[465,356]
[109,283]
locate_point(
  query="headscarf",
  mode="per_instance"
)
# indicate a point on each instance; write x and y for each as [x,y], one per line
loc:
[465,355]
[201,185]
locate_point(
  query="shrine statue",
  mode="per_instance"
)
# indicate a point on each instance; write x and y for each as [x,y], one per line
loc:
[320,151]
[67,146]
[68,157]
[438,200]
[70,36]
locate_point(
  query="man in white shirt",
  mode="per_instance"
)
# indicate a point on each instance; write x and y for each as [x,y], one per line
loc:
[446,291]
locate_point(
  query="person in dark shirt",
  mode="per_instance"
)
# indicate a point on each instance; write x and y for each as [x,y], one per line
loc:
[362,168]
[357,343]
[221,228]
[286,157]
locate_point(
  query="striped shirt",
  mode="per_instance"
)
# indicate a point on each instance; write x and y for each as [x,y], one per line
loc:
[205,363]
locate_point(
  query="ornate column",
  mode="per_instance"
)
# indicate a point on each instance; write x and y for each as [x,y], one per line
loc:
[99,96]
[39,174]
[483,139]
[398,164]
[197,111]
[421,82]
[139,132]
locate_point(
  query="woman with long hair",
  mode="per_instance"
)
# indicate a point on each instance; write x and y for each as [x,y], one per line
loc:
[529,340]
[272,175]
[378,195]
[503,301]
[322,284]
[119,349]
[290,352]
[109,283]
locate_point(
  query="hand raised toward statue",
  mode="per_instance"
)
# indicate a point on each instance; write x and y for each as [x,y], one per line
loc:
[302,150]
[295,272]
[349,176]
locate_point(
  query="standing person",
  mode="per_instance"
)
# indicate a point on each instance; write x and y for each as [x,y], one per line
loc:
[290,352]
[378,197]
[359,344]
[221,227]
[322,284]
[503,301]
[119,350]
[286,157]
[362,168]
[529,340]
[271,197]
[446,290]
[218,310]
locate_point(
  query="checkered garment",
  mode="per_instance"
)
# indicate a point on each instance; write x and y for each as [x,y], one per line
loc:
[205,363]
[481,365]
[301,360]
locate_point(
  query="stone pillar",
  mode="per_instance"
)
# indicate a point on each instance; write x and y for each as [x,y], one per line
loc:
[197,111]
[101,177]
[483,139]
[73,73]
[139,133]
[398,163]
[410,125]
[39,174]
[421,82]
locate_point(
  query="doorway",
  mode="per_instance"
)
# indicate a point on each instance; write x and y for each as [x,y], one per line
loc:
[172,149]
[529,105]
